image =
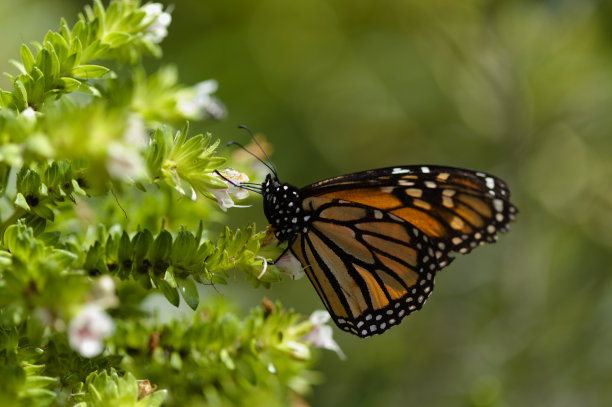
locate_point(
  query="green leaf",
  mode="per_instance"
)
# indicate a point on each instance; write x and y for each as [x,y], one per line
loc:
[161,249]
[117,39]
[125,248]
[38,91]
[141,244]
[170,293]
[27,58]
[79,31]
[89,71]
[189,291]
[21,202]
[55,64]
[43,397]
[44,60]
[169,278]
[69,84]
[40,381]
[63,257]
[69,63]
[44,212]
[76,49]
[18,65]
[61,46]
[214,163]
[183,248]
[92,90]
[6,98]
[20,95]
[65,30]
[50,238]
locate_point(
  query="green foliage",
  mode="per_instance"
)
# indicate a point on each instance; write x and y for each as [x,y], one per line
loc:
[104,389]
[61,64]
[22,380]
[105,203]
[254,361]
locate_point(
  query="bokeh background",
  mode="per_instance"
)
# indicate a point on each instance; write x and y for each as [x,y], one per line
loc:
[522,89]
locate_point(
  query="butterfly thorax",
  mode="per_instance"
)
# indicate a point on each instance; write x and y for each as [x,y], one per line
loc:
[282,207]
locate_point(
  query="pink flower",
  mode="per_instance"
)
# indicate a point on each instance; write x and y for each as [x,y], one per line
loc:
[321,334]
[88,329]
[225,197]
[291,266]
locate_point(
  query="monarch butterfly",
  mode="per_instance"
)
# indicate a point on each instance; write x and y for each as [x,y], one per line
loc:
[371,242]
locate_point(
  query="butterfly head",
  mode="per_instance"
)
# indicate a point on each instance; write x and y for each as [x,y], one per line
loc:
[283,208]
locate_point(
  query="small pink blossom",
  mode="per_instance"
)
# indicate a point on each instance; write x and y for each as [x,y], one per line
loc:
[88,329]
[321,334]
[225,196]
[291,266]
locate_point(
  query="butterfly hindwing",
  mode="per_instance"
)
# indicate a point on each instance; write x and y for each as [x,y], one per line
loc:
[370,268]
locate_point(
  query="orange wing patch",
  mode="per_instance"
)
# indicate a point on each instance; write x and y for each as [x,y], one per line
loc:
[390,229]
[348,285]
[377,295]
[422,220]
[374,197]
[477,203]
[344,237]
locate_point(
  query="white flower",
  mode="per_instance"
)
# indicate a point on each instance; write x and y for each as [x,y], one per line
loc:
[135,133]
[103,292]
[225,196]
[158,21]
[291,266]
[88,329]
[298,350]
[29,113]
[321,334]
[124,162]
[124,159]
[198,102]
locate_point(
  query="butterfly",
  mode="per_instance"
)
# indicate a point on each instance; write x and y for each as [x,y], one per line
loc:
[371,242]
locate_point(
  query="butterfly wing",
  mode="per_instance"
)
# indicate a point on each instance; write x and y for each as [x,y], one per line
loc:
[458,209]
[371,268]
[377,238]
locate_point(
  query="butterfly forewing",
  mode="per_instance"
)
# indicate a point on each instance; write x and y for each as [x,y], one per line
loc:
[370,268]
[459,209]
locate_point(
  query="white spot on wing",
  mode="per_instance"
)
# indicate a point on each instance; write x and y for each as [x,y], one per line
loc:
[498,204]
[400,170]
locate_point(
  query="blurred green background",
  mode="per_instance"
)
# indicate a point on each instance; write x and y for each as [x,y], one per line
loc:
[522,89]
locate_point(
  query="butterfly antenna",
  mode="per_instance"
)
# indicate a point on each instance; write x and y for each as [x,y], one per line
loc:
[235,143]
[271,166]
